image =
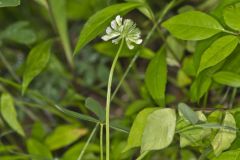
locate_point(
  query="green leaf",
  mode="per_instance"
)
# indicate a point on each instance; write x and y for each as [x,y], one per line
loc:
[58,9]
[64,135]
[218,51]
[38,150]
[156,77]
[19,32]
[9,113]
[227,78]
[193,25]
[135,135]
[159,130]
[96,108]
[9,3]
[99,22]
[36,62]
[76,114]
[188,113]
[225,136]
[231,15]
[229,155]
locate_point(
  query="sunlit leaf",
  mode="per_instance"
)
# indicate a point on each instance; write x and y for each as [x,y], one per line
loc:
[9,113]
[231,14]
[193,25]
[159,130]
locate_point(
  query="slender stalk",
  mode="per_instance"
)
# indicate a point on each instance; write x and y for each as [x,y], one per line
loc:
[142,155]
[101,141]
[108,101]
[9,67]
[234,93]
[88,141]
[165,11]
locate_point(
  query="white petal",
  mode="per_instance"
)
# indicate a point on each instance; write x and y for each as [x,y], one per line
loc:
[110,36]
[109,30]
[129,44]
[119,20]
[106,37]
[116,41]
[114,25]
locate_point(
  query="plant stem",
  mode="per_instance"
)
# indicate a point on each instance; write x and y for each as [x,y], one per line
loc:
[109,100]
[88,141]
[101,141]
[165,11]
[142,155]
[9,67]
[234,93]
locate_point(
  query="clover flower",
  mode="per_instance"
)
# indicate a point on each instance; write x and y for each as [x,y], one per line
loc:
[126,30]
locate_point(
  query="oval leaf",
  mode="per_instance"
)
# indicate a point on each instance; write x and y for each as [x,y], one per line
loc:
[193,25]
[227,78]
[159,130]
[9,113]
[218,51]
[225,136]
[135,135]
[156,77]
[63,136]
[36,62]
[99,22]
[231,16]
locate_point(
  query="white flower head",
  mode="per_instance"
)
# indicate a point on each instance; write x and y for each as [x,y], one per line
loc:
[126,30]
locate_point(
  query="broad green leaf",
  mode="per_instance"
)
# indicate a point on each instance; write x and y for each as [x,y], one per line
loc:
[19,32]
[182,79]
[58,9]
[156,77]
[9,3]
[159,130]
[218,51]
[135,135]
[36,62]
[188,113]
[96,108]
[227,78]
[38,150]
[193,25]
[225,136]
[99,22]
[229,155]
[231,15]
[9,113]
[63,136]
[201,47]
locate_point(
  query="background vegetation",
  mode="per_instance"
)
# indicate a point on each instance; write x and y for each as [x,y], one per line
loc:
[175,96]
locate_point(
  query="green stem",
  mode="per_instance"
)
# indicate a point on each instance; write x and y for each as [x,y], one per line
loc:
[101,141]
[9,67]
[108,101]
[165,11]
[142,155]
[234,93]
[88,141]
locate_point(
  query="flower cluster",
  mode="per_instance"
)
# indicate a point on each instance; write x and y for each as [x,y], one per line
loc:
[123,29]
